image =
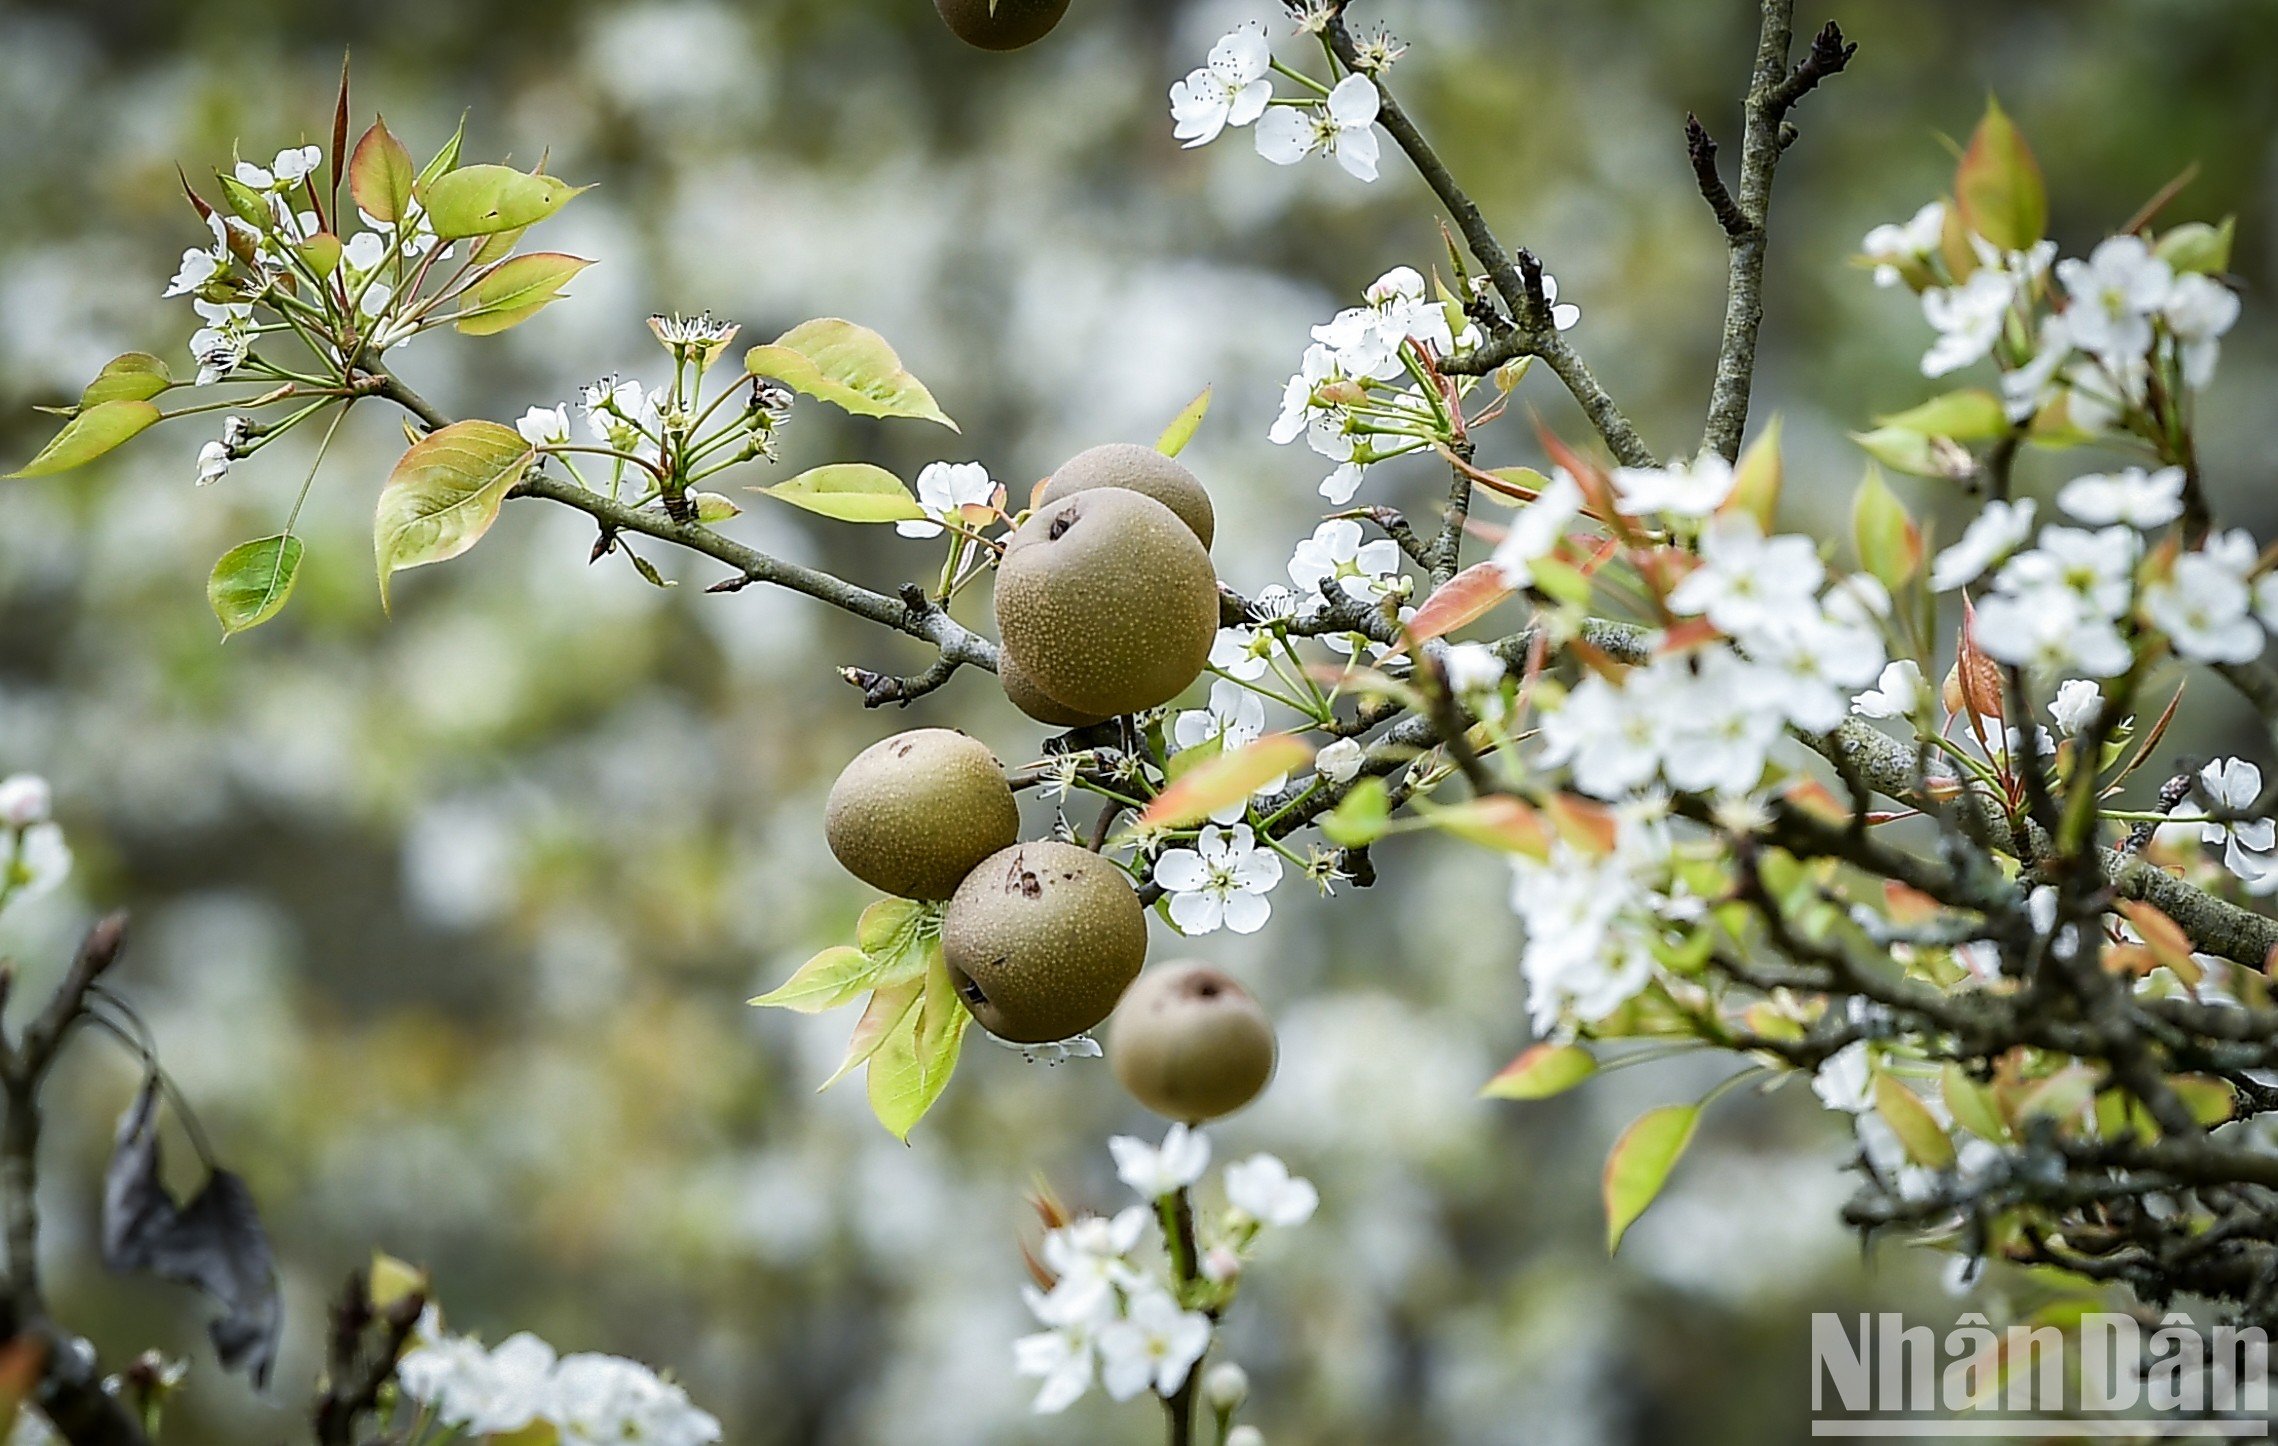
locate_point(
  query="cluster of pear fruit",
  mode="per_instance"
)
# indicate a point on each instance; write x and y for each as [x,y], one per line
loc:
[1106,604]
[1001,24]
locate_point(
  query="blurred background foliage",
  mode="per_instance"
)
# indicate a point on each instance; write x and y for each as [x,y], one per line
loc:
[446,920]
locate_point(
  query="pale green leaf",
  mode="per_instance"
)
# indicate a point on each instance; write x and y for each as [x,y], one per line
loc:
[832,978]
[850,492]
[849,366]
[253,582]
[1229,778]
[1999,186]
[1757,478]
[1888,541]
[1971,414]
[1542,1071]
[135,377]
[1360,817]
[1640,1164]
[1183,426]
[912,1065]
[889,1005]
[89,435]
[1919,1133]
[444,494]
[380,174]
[482,199]
[512,292]
[2196,246]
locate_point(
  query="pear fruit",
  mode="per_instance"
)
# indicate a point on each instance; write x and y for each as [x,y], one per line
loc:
[1001,24]
[1107,602]
[914,813]
[1191,1044]
[1136,469]
[1041,940]
[1037,703]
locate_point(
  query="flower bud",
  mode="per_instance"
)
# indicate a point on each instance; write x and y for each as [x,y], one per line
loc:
[24,800]
[1245,1436]
[1225,1387]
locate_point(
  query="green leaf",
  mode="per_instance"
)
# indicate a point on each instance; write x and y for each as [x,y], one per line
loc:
[444,494]
[497,245]
[136,376]
[1972,414]
[850,492]
[89,435]
[913,1063]
[512,292]
[1640,1164]
[1924,1139]
[483,199]
[1973,1104]
[1757,478]
[832,978]
[253,582]
[380,174]
[849,366]
[2211,1101]
[1888,542]
[251,207]
[2196,246]
[895,934]
[321,254]
[1901,450]
[1542,1071]
[889,1005]
[1360,817]
[443,159]
[1999,186]
[1228,778]
[1182,428]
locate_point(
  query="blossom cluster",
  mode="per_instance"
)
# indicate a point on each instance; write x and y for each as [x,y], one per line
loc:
[587,1398]
[1233,87]
[34,857]
[1136,1322]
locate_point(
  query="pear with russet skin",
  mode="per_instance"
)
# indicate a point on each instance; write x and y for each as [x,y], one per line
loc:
[1037,703]
[1107,602]
[1041,940]
[914,813]
[1191,1044]
[1136,469]
[1001,24]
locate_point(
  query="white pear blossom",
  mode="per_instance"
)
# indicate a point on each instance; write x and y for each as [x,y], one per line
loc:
[1305,414]
[1471,668]
[2131,496]
[25,799]
[1807,666]
[1401,296]
[1586,951]
[1681,489]
[198,267]
[620,414]
[364,252]
[2113,295]
[2198,311]
[1343,126]
[1893,246]
[1235,717]
[1242,652]
[1898,691]
[1846,1080]
[1746,579]
[213,463]
[1262,1188]
[2076,705]
[1221,882]
[294,163]
[1340,762]
[1989,539]
[1152,1347]
[1063,1358]
[545,426]
[2051,629]
[1155,1171]
[39,861]
[1537,529]
[2204,604]
[2235,785]
[1967,319]
[1335,560]
[1563,314]
[944,489]
[1232,88]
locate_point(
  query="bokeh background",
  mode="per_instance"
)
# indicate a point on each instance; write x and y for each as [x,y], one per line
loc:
[446,921]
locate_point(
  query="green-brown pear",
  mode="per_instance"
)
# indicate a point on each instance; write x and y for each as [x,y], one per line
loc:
[1107,602]
[1041,940]
[1191,1044]
[1136,469]
[1037,703]
[914,813]
[1001,24]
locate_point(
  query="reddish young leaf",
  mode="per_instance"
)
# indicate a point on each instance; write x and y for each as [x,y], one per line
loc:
[1226,779]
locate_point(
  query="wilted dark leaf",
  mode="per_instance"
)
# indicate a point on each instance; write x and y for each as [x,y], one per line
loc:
[215,1242]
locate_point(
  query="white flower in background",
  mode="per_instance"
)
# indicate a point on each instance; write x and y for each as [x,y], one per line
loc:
[1990,537]
[2052,630]
[1892,246]
[1242,652]
[620,414]
[2199,310]
[481,1392]
[1155,1171]
[1537,529]
[2203,605]
[1746,578]
[1472,668]
[1231,89]
[25,799]
[1343,127]
[1221,882]
[2113,295]
[1896,694]
[1275,603]
[2131,496]
[1262,1188]
[1722,725]
[253,177]
[1304,414]
[1400,295]
[364,252]
[2235,785]
[41,860]
[1967,319]
[1808,667]
[1063,1358]
[1581,955]
[2076,705]
[944,489]
[213,463]
[1342,483]
[1153,1346]
[1681,489]
[1236,716]
[1846,1079]
[219,347]
[1086,1258]
[2096,567]
[600,1400]
[545,426]
[1340,762]
[1563,315]
[197,268]
[1611,737]
[1335,554]
[295,163]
